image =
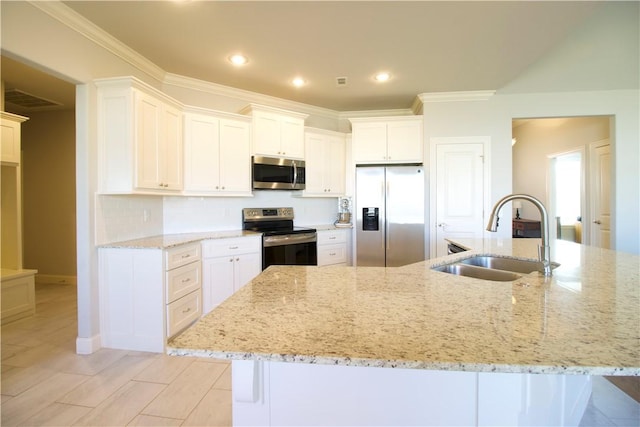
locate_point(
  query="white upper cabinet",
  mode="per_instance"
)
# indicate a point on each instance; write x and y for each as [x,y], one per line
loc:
[325,163]
[276,132]
[387,140]
[217,155]
[10,138]
[140,139]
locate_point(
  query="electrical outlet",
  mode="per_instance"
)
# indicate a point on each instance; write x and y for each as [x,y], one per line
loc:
[145,215]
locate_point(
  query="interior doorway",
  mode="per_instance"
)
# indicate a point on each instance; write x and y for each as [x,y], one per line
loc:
[553,160]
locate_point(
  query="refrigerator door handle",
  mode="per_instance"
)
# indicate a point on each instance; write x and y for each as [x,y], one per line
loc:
[387,236]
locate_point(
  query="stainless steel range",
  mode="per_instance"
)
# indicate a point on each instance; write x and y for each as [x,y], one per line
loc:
[282,243]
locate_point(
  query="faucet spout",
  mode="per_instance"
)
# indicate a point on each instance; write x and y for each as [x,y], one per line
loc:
[544,252]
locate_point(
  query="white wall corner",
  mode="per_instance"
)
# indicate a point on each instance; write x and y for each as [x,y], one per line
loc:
[88,345]
[477,95]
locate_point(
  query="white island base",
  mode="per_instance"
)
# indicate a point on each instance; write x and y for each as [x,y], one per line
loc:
[281,394]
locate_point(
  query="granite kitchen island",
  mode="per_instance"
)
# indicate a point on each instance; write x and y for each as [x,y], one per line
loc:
[414,346]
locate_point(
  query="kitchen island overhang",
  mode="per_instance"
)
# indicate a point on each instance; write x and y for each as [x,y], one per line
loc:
[543,337]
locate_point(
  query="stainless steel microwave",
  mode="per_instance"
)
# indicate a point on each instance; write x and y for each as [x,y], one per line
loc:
[273,173]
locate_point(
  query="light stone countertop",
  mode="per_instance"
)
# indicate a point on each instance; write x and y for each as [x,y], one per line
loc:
[166,241]
[583,320]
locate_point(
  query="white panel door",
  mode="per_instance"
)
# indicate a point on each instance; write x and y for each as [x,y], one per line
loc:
[601,197]
[201,153]
[404,141]
[459,192]
[147,125]
[217,284]
[235,156]
[247,267]
[171,148]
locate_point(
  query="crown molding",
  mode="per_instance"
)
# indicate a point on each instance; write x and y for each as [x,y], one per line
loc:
[86,28]
[347,115]
[478,95]
[248,96]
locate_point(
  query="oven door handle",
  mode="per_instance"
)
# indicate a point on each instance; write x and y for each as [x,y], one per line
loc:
[289,239]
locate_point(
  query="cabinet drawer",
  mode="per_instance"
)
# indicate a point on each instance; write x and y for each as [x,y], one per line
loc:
[182,255]
[332,254]
[331,236]
[232,246]
[183,280]
[183,312]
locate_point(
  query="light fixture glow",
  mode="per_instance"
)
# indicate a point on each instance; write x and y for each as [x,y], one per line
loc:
[382,77]
[298,82]
[238,59]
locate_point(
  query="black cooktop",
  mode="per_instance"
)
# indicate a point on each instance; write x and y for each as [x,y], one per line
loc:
[272,221]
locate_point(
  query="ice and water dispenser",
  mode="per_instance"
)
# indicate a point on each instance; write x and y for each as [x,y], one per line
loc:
[370,219]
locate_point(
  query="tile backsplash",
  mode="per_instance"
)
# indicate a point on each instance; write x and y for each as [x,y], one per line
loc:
[127,217]
[194,214]
[131,216]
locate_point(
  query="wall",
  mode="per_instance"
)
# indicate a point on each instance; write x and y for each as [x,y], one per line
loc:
[49,196]
[539,138]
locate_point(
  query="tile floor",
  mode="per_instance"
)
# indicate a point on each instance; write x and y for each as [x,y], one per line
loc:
[44,383]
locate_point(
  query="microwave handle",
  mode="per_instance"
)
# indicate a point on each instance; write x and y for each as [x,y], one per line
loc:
[295,174]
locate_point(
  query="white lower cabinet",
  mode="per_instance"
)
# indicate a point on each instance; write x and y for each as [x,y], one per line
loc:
[332,247]
[148,295]
[228,265]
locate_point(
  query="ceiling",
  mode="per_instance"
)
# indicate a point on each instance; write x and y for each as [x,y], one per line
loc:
[426,46]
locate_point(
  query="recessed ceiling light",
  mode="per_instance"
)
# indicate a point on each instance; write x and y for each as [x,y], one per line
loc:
[298,81]
[382,77]
[238,59]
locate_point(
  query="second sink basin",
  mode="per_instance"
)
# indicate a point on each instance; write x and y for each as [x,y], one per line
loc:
[478,272]
[508,264]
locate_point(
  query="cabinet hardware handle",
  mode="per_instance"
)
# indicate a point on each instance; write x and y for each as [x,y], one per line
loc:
[230,259]
[187,310]
[186,280]
[186,256]
[223,187]
[332,254]
[332,238]
[160,185]
[233,247]
[166,185]
[237,259]
[597,221]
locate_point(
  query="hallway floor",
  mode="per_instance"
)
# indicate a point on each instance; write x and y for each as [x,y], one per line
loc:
[45,383]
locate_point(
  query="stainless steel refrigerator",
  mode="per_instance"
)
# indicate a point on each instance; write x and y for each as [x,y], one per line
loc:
[389,215]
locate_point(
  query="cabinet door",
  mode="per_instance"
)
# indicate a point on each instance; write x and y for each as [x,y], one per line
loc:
[235,156]
[335,175]
[171,149]
[218,283]
[369,142]
[147,125]
[292,137]
[404,141]
[10,142]
[202,158]
[315,164]
[266,135]
[247,266]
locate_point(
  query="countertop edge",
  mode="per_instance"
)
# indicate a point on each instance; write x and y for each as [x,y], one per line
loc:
[404,364]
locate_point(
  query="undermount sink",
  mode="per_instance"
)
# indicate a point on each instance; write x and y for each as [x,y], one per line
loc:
[478,272]
[509,264]
[486,267]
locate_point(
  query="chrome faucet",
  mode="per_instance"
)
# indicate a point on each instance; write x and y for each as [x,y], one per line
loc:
[544,253]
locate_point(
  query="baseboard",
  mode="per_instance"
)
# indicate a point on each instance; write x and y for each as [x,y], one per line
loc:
[56,279]
[88,345]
